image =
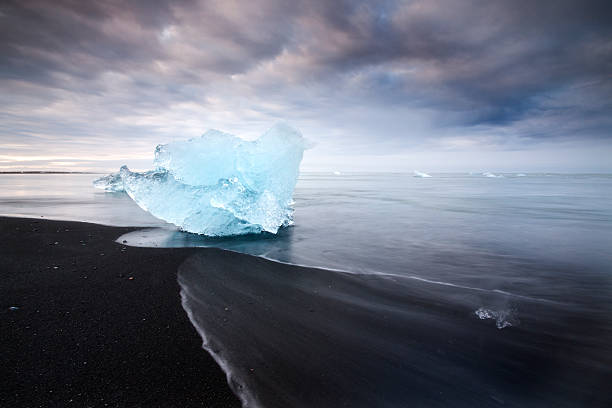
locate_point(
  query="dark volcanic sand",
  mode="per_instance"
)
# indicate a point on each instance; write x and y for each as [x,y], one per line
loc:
[85,333]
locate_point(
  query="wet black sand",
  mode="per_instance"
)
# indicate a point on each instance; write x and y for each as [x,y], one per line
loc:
[101,324]
[303,337]
[98,324]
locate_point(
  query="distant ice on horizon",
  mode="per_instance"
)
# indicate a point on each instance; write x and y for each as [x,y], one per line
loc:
[420,174]
[491,175]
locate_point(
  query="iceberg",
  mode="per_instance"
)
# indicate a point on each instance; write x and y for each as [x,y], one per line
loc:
[420,174]
[503,318]
[219,184]
[492,175]
[111,183]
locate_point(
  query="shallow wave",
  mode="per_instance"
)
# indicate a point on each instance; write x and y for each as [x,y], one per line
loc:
[400,276]
[154,237]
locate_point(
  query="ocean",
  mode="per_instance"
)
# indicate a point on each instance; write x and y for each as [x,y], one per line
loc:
[453,290]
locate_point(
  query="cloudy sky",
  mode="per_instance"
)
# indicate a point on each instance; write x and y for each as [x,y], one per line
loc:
[436,85]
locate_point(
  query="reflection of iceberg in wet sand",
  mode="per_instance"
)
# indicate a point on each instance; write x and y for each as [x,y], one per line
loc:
[219,184]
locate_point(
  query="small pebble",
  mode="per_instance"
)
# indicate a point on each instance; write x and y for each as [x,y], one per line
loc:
[13,308]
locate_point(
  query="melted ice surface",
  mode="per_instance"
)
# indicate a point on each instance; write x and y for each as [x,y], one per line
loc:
[219,184]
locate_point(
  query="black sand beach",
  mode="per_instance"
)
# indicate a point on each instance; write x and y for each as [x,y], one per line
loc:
[97,324]
[86,321]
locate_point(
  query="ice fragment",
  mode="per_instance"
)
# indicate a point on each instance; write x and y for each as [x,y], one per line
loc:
[219,184]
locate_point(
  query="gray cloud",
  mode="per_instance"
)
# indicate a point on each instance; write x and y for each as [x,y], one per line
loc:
[358,76]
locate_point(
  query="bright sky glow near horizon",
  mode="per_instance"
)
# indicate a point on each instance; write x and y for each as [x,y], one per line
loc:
[436,85]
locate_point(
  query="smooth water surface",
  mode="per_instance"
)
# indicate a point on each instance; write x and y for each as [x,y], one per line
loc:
[455,290]
[69,197]
[466,230]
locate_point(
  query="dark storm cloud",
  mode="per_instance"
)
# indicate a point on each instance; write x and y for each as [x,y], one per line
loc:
[39,38]
[126,69]
[489,60]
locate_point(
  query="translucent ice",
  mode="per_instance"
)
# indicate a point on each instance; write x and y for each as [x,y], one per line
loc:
[112,182]
[219,184]
[503,318]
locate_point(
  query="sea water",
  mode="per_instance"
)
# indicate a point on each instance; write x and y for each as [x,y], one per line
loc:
[468,230]
[452,290]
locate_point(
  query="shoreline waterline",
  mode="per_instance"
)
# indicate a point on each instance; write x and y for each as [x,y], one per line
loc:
[240,304]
